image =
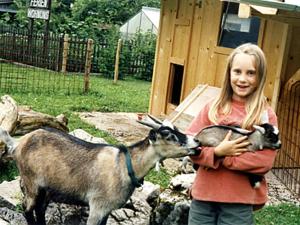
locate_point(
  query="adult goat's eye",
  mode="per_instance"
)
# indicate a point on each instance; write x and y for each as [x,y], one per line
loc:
[165,133]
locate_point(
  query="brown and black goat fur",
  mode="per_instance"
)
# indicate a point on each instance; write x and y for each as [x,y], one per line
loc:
[53,164]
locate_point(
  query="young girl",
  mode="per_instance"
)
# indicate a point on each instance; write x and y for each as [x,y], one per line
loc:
[221,191]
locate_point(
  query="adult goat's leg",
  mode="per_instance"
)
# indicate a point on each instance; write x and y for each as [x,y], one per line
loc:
[29,205]
[104,221]
[40,207]
[98,214]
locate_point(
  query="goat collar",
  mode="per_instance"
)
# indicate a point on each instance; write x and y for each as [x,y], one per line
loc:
[131,173]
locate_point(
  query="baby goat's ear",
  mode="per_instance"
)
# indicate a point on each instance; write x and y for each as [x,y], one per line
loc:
[260,129]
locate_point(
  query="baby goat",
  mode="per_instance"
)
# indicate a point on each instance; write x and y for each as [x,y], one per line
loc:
[54,164]
[263,136]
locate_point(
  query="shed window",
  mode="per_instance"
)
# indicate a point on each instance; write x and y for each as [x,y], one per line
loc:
[175,83]
[235,31]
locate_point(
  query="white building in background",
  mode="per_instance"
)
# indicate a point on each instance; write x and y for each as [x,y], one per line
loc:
[146,20]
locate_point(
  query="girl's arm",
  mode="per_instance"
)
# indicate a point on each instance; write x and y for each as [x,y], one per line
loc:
[207,157]
[258,162]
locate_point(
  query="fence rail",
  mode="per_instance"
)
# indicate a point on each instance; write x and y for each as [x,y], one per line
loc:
[31,49]
[61,53]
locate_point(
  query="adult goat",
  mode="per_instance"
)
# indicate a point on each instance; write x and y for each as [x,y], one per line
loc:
[54,164]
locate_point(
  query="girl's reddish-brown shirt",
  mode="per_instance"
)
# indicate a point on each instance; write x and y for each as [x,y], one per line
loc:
[221,179]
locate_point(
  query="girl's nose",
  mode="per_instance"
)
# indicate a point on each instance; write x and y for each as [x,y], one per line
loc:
[243,77]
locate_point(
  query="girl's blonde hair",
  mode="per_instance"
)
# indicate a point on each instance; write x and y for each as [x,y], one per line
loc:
[256,102]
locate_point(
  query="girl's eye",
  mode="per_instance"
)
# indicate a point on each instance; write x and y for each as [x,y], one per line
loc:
[237,71]
[251,72]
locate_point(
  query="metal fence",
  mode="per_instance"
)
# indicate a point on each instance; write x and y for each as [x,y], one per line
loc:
[33,49]
[15,77]
[33,62]
[287,164]
[64,60]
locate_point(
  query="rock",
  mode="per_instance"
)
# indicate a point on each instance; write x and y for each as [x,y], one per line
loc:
[12,217]
[179,215]
[2,222]
[83,135]
[182,182]
[5,204]
[63,214]
[8,117]
[8,113]
[11,193]
[123,126]
[137,211]
[172,208]
[29,120]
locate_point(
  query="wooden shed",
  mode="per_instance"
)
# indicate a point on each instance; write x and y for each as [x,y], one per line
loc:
[195,38]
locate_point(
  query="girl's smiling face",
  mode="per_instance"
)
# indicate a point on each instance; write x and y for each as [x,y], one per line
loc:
[243,76]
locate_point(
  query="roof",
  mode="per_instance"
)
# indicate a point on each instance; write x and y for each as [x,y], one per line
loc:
[289,5]
[153,14]
[147,19]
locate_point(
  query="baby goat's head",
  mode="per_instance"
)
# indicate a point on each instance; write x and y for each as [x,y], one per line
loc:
[270,135]
[168,141]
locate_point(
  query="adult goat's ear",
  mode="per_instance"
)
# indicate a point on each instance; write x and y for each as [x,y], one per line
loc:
[152,135]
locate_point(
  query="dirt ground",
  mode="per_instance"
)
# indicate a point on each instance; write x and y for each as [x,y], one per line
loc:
[125,128]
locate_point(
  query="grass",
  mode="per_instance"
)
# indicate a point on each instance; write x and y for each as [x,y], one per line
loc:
[125,96]
[282,214]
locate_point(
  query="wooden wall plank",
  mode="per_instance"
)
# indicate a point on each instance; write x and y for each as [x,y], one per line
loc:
[208,40]
[272,45]
[293,58]
[159,84]
[190,78]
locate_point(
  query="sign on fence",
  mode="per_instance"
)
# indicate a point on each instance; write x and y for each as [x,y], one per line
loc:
[38,9]
[38,13]
[39,3]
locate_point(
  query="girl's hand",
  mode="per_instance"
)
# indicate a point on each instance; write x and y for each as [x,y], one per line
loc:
[232,147]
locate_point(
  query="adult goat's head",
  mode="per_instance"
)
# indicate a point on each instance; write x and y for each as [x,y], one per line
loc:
[168,141]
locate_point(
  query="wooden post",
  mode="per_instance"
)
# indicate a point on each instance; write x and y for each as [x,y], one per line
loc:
[88,63]
[116,75]
[46,37]
[65,53]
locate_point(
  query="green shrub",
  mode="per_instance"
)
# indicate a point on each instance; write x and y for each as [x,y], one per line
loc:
[137,56]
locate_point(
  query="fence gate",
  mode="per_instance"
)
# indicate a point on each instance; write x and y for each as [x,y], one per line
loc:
[287,164]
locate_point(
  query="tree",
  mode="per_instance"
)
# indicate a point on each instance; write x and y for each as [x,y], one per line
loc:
[84,18]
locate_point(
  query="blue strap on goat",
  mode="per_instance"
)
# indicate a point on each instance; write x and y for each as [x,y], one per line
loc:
[131,174]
